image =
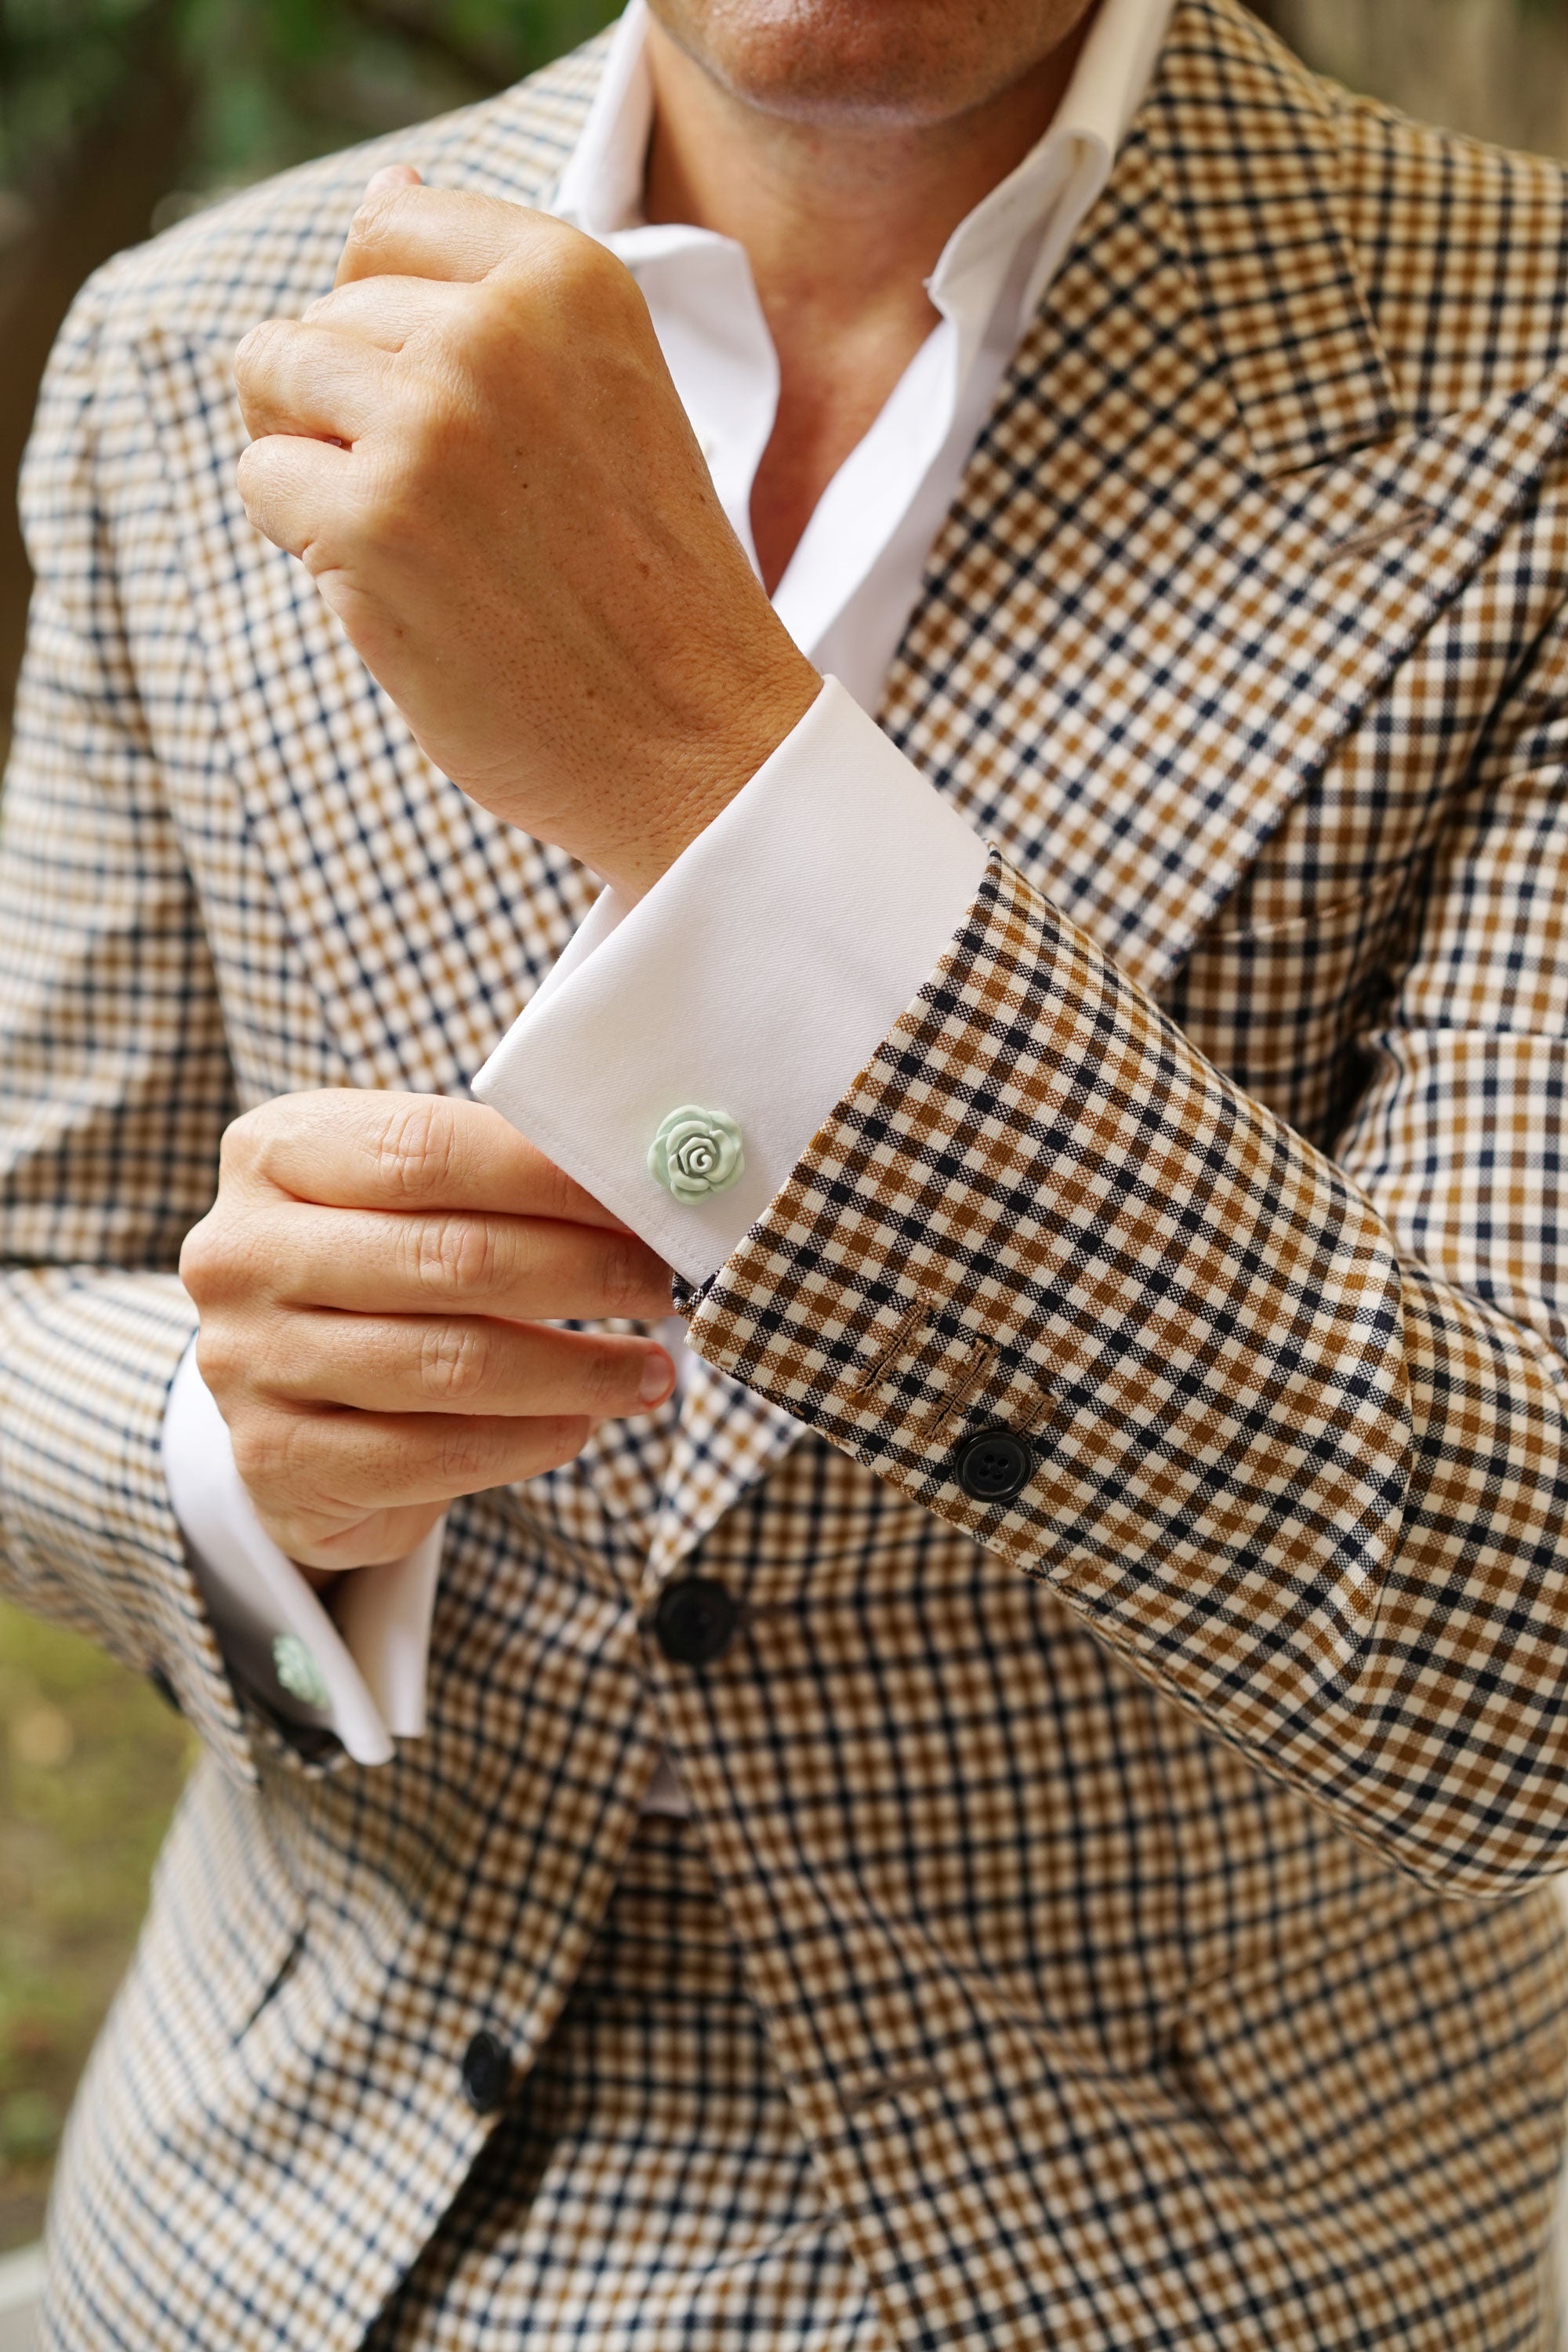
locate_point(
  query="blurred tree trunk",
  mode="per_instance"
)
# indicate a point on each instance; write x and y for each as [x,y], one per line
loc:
[1495,69]
[114,174]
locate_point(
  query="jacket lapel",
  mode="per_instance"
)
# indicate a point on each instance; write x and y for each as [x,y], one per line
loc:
[1195,538]
[726,1438]
[1246,156]
[1198,535]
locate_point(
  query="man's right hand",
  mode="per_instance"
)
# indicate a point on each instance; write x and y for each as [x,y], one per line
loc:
[370,1278]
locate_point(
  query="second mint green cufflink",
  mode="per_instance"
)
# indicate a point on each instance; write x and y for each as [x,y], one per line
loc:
[696,1153]
[297,1672]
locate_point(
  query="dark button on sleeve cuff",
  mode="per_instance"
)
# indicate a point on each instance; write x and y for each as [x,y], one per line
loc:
[994,1465]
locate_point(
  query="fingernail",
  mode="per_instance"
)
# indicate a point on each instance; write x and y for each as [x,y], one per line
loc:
[657,1378]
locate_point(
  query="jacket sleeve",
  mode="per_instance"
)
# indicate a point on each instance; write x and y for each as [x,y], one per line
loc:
[116,1089]
[1297,1421]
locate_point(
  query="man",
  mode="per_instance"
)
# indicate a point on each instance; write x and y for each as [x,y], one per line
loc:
[1002,1793]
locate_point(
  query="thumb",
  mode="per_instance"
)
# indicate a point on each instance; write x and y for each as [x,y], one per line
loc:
[393,175]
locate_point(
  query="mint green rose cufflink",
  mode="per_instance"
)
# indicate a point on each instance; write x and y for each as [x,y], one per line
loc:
[297,1672]
[696,1153]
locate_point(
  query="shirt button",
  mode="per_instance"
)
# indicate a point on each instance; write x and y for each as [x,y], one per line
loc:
[486,2071]
[994,1465]
[695,1621]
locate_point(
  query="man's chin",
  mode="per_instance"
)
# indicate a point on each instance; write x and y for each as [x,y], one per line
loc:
[868,63]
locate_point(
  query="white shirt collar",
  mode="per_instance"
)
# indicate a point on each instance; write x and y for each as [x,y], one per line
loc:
[856,568]
[601,189]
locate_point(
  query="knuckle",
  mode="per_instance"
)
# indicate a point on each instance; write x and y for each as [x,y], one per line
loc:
[385,517]
[382,512]
[453,1361]
[612,1378]
[265,1450]
[431,400]
[202,1256]
[250,475]
[625,1274]
[373,215]
[219,1263]
[258,350]
[416,1150]
[558,1193]
[435,1252]
[222,1359]
[399,468]
[465,1457]
[576,269]
[260,1145]
[466,1255]
[241,1143]
[474,361]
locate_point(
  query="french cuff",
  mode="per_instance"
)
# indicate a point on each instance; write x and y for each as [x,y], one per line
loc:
[684,1051]
[362,1676]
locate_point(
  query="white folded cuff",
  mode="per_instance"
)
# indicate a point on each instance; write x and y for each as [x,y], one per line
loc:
[372,1662]
[755,980]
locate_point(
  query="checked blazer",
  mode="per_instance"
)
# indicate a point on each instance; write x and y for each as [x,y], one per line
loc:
[1142,1882]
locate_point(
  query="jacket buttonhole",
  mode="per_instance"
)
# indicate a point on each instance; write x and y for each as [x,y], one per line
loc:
[1037,1420]
[960,1393]
[909,2082]
[1418,516]
[891,1345]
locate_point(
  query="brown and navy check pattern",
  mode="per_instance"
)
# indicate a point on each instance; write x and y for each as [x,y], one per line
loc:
[649,2183]
[1141,1887]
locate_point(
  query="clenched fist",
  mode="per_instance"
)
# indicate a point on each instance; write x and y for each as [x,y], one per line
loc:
[474,445]
[371,1280]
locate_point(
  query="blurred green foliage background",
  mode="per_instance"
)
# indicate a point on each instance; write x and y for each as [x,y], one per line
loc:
[251,85]
[90,1764]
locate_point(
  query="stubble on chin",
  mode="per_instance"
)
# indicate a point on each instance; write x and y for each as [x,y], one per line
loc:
[869,63]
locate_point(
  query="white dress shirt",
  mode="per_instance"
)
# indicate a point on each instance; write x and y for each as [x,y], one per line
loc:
[766,966]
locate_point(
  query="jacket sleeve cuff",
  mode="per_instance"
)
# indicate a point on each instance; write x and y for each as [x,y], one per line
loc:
[756,978]
[368,1667]
[1041,1213]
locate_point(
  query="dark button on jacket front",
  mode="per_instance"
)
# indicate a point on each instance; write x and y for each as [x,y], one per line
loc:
[993,1466]
[695,1620]
[486,2071]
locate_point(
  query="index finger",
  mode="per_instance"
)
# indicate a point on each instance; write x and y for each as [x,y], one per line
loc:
[349,1148]
[409,232]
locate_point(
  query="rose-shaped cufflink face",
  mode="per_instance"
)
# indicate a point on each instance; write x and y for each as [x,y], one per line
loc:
[297,1670]
[696,1153]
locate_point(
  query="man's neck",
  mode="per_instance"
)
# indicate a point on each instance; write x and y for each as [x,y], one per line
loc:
[881,199]
[843,225]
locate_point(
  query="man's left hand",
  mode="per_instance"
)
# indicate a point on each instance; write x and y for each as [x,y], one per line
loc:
[474,445]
